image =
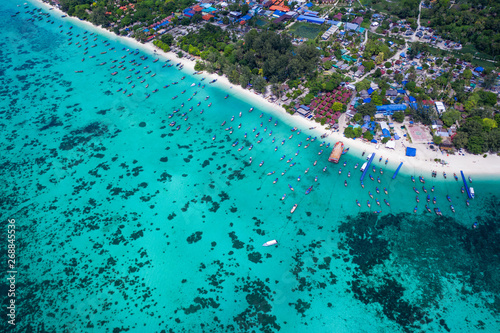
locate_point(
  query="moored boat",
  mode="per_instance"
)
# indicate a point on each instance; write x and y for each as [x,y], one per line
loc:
[309,190]
[293,208]
[270,243]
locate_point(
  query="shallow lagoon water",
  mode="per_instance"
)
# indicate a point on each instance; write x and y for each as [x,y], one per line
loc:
[128,224]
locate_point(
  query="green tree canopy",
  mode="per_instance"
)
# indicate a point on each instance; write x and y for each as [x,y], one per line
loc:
[437,139]
[398,116]
[467,74]
[450,117]
[362,85]
[368,135]
[489,123]
[368,109]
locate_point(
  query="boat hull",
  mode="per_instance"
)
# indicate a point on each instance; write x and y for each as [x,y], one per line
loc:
[270,243]
[336,152]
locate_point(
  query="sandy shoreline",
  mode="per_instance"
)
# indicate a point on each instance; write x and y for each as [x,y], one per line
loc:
[423,163]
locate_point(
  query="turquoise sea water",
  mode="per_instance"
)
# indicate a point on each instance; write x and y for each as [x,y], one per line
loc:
[125,223]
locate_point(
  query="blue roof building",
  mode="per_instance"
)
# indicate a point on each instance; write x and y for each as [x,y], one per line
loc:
[388,110]
[351,26]
[311,19]
[411,151]
[311,13]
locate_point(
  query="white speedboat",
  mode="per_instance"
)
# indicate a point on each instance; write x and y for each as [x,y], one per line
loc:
[270,243]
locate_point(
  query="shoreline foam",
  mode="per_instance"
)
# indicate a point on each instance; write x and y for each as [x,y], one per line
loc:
[422,163]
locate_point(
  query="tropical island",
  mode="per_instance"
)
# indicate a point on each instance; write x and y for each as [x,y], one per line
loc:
[369,69]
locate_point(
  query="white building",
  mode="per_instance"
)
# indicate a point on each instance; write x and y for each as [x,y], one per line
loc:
[331,31]
[440,107]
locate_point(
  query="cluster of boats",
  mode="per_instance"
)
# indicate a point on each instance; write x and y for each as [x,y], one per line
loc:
[118,65]
[437,211]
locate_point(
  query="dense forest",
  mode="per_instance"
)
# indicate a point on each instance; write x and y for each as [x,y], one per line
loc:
[471,21]
[465,21]
[400,8]
[257,59]
[479,135]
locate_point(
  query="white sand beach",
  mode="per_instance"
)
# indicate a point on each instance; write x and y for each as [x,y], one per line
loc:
[423,163]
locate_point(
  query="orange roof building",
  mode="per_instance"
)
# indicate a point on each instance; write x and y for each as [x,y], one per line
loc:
[131,5]
[280,8]
[207,17]
[279,5]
